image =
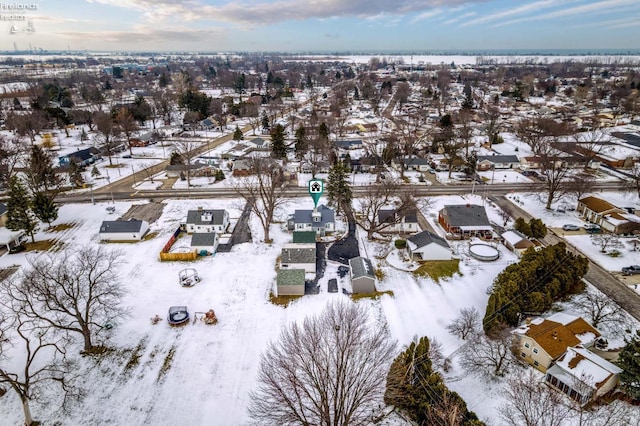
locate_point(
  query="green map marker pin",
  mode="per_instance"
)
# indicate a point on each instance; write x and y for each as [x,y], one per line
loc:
[316,188]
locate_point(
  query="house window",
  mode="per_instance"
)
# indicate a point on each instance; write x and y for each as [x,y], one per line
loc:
[523,355]
[535,350]
[536,363]
[526,345]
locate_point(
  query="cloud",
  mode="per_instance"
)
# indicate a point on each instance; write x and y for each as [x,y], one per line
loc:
[461,17]
[527,8]
[426,15]
[271,11]
[603,6]
[147,35]
[333,35]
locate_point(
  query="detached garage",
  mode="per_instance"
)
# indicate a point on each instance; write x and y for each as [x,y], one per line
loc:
[363,279]
[123,230]
[290,282]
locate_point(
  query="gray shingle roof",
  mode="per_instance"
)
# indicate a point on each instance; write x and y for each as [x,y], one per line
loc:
[3,208]
[466,215]
[425,238]
[124,226]
[290,277]
[298,255]
[361,267]
[195,217]
[203,239]
[499,158]
[304,237]
[304,216]
[410,216]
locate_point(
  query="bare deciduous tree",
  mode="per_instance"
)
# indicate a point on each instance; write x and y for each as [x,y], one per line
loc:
[329,370]
[187,149]
[598,308]
[41,355]
[75,291]
[12,153]
[127,125]
[605,240]
[590,144]
[487,356]
[505,213]
[107,129]
[466,324]
[263,190]
[530,402]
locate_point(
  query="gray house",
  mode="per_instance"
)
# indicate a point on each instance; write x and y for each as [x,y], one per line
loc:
[363,279]
[487,162]
[207,220]
[320,220]
[123,230]
[204,243]
[299,256]
[465,221]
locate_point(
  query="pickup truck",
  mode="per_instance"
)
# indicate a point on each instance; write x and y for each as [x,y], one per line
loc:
[631,270]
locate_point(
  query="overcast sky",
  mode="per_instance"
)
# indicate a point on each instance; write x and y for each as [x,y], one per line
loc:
[321,25]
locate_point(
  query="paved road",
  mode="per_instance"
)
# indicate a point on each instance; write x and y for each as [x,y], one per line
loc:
[599,277]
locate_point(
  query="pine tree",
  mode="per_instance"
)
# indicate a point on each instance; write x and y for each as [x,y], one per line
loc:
[522,226]
[278,148]
[95,172]
[237,134]
[75,174]
[44,208]
[265,122]
[338,189]
[20,216]
[301,141]
[420,393]
[40,173]
[538,228]
[629,361]
[323,131]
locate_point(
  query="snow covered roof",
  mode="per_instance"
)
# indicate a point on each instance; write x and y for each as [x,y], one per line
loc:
[581,365]
[515,238]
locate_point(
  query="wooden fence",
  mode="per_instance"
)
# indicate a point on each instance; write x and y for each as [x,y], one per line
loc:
[165,256]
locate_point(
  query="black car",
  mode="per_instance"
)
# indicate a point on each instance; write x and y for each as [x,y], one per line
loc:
[343,271]
[17,249]
[333,285]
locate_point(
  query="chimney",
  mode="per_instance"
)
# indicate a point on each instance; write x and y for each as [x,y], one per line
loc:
[527,320]
[468,205]
[199,208]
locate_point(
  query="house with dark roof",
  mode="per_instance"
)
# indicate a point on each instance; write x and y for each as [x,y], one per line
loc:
[349,144]
[4,214]
[290,282]
[428,246]
[123,230]
[465,221]
[204,243]
[541,341]
[398,222]
[582,375]
[320,220]
[299,256]
[82,157]
[261,143]
[416,164]
[207,220]
[617,220]
[487,162]
[363,278]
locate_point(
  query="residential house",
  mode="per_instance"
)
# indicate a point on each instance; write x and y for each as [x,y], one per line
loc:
[428,246]
[612,219]
[142,140]
[123,230]
[261,143]
[404,223]
[242,168]
[487,162]
[204,243]
[320,220]
[207,220]
[541,341]
[582,375]
[517,242]
[349,144]
[180,170]
[82,157]
[290,282]
[465,221]
[415,164]
[299,256]
[363,278]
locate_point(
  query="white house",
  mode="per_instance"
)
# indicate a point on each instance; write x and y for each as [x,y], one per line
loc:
[487,162]
[363,278]
[123,230]
[204,243]
[406,223]
[428,246]
[299,256]
[203,220]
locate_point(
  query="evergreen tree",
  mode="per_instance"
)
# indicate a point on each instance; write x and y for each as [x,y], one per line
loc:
[237,134]
[300,141]
[176,159]
[420,393]
[265,122]
[338,189]
[75,174]
[629,361]
[323,131]
[278,148]
[538,228]
[44,208]
[20,216]
[522,226]
[95,172]
[40,173]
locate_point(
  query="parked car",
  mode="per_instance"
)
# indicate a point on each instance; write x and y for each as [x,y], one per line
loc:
[570,227]
[17,249]
[592,228]
[631,270]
